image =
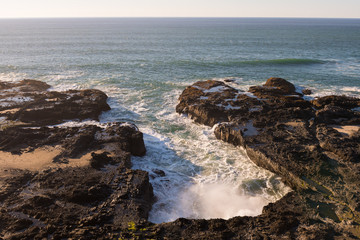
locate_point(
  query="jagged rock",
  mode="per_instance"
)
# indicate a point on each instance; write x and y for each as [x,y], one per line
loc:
[26,85]
[338,101]
[29,102]
[99,160]
[66,182]
[313,145]
[297,139]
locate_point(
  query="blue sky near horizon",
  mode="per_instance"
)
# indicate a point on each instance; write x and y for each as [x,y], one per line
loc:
[180,8]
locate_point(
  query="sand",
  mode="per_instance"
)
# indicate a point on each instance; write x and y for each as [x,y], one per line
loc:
[348,130]
[39,159]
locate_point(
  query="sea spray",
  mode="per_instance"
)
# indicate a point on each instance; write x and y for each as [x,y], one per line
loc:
[204,177]
[221,200]
[144,64]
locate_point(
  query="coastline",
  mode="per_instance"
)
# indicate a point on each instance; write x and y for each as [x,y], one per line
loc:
[104,190]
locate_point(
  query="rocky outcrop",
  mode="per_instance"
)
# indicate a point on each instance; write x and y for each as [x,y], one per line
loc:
[66,182]
[30,103]
[76,182]
[288,218]
[313,145]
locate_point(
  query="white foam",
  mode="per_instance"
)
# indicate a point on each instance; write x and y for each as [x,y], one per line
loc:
[357,109]
[351,89]
[12,76]
[198,166]
[80,124]
[250,129]
[228,107]
[249,94]
[11,101]
[203,98]
[215,89]
[17,99]
[255,109]
[220,200]
[325,90]
[64,87]
[61,76]
[299,89]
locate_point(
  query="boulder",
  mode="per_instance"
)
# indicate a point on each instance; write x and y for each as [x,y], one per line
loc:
[280,83]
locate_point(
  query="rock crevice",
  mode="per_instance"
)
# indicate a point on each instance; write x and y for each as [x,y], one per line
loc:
[313,145]
[61,182]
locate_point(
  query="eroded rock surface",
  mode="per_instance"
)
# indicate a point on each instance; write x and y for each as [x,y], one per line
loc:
[30,103]
[76,182]
[67,182]
[313,145]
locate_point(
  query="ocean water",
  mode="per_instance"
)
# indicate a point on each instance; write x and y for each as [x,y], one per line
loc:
[144,64]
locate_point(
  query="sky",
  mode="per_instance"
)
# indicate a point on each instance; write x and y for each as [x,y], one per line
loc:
[180,8]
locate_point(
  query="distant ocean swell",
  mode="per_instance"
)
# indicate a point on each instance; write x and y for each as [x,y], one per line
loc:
[143,65]
[262,62]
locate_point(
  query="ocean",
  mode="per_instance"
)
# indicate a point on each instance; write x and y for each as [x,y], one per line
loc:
[143,64]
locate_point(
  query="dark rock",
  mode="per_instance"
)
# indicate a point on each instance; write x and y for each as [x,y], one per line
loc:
[99,160]
[159,172]
[20,224]
[28,102]
[41,201]
[304,145]
[229,80]
[337,101]
[306,91]
[280,83]
[279,129]
[63,201]
[26,85]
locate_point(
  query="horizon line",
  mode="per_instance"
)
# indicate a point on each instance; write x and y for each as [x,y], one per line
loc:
[103,17]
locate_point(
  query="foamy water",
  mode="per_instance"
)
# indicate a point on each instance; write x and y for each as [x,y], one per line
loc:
[143,65]
[205,178]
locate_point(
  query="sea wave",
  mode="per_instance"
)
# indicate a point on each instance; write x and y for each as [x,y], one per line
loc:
[197,167]
[284,61]
[258,62]
[351,89]
[12,76]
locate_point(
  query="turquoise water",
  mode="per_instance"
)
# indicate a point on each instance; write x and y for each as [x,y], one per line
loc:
[144,64]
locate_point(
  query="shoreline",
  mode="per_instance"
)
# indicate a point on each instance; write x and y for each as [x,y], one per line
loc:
[105,190]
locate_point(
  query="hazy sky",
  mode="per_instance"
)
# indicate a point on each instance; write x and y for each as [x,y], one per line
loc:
[179,8]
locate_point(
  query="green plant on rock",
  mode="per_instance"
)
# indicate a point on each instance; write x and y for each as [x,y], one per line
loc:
[133,232]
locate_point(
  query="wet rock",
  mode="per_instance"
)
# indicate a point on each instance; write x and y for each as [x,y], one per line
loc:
[280,83]
[229,80]
[69,182]
[99,160]
[338,101]
[29,102]
[67,200]
[26,85]
[288,218]
[306,91]
[159,172]
[313,145]
[309,144]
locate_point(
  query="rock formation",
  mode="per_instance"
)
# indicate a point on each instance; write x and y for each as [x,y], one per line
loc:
[313,145]
[75,182]
[66,182]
